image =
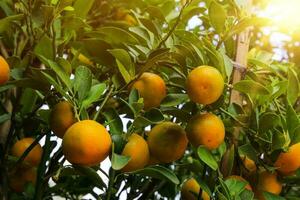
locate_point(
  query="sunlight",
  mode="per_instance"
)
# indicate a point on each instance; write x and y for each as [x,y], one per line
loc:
[284,14]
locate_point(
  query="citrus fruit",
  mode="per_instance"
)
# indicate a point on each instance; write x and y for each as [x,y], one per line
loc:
[191,189]
[137,149]
[21,177]
[152,89]
[4,71]
[61,118]
[167,142]
[204,85]
[206,129]
[33,157]
[86,143]
[249,164]
[288,162]
[267,182]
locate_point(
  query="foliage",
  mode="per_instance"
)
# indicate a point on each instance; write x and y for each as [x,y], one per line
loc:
[45,40]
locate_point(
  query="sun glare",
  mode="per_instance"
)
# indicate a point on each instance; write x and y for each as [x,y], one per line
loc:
[284,14]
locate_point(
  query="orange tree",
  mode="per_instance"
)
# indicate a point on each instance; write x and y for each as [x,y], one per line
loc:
[131,82]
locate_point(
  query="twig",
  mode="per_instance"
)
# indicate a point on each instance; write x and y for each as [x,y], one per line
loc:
[108,95]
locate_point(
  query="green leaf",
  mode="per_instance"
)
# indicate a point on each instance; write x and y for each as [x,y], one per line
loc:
[206,156]
[250,87]
[82,82]
[92,175]
[114,121]
[82,7]
[159,172]
[292,120]
[44,47]
[228,161]
[217,16]
[119,161]
[235,186]
[115,35]
[124,63]
[4,117]
[270,196]
[94,94]
[6,23]
[58,70]
[293,86]
[174,100]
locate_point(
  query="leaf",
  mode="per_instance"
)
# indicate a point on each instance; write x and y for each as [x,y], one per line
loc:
[217,16]
[159,172]
[4,117]
[92,175]
[115,35]
[94,94]
[156,12]
[153,116]
[114,121]
[5,23]
[206,156]
[82,82]
[82,7]
[235,186]
[119,161]
[58,70]
[292,120]
[250,87]
[228,161]
[124,63]
[293,86]
[44,47]
[174,100]
[270,196]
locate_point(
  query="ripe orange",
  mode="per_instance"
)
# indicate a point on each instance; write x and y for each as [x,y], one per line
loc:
[249,164]
[190,189]
[204,85]
[152,88]
[288,162]
[86,143]
[4,71]
[167,142]
[239,178]
[137,149]
[206,129]
[61,118]
[22,176]
[33,157]
[268,182]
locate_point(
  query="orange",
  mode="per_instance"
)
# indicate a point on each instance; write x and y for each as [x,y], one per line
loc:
[153,160]
[152,89]
[82,58]
[86,143]
[206,129]
[190,189]
[239,178]
[61,118]
[204,85]
[137,149]
[4,71]
[21,177]
[33,157]
[130,20]
[249,164]
[288,162]
[167,142]
[268,182]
